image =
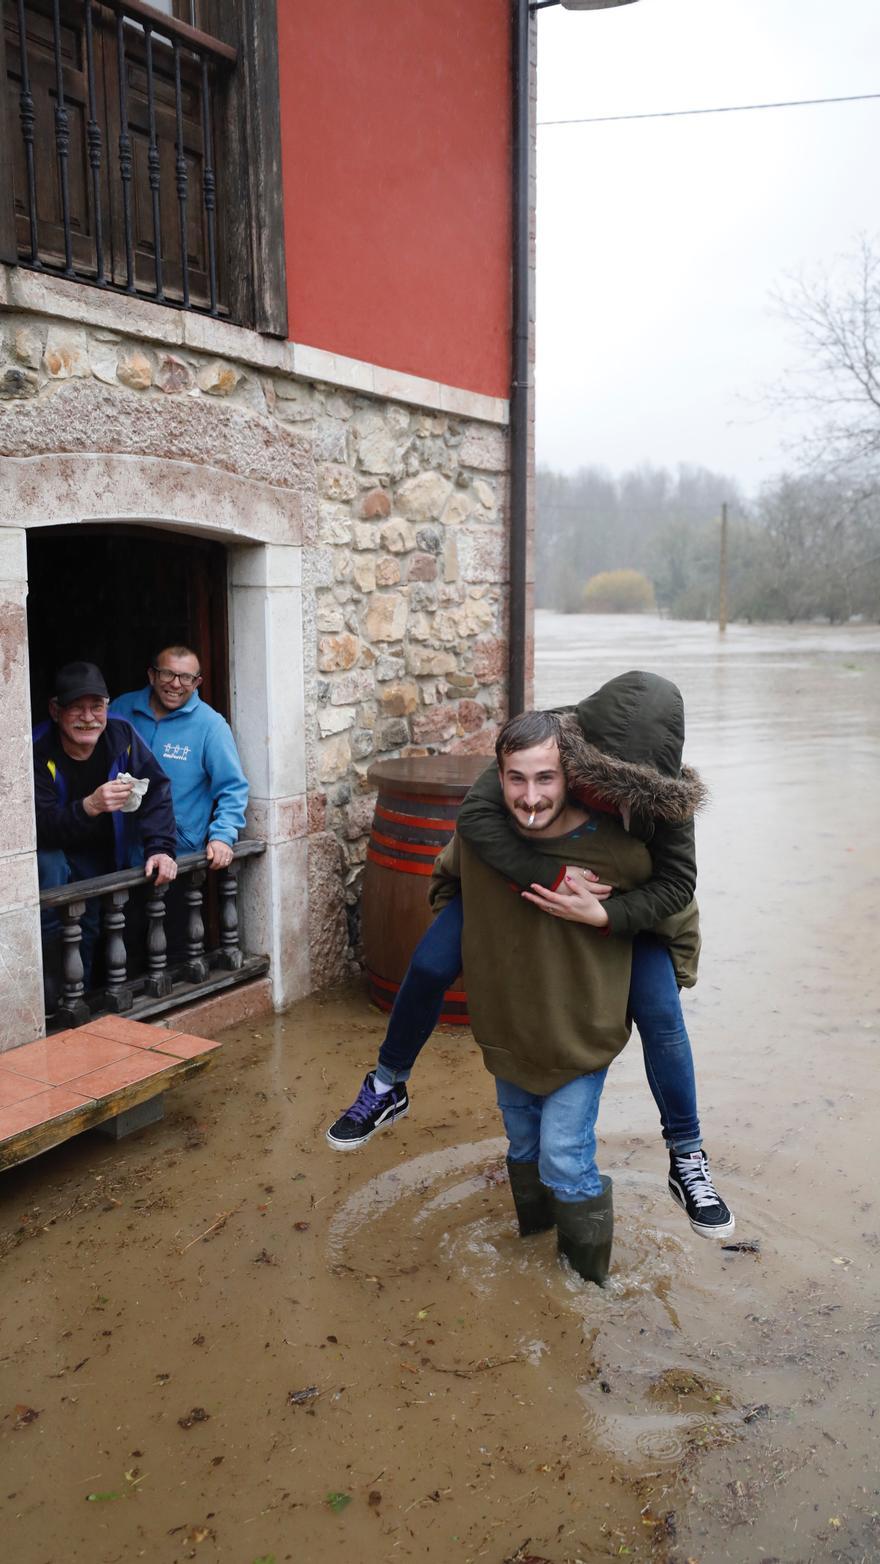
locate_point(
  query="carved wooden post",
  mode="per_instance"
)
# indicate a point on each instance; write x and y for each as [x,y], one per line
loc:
[197,967]
[73,1010]
[159,981]
[230,951]
[118,995]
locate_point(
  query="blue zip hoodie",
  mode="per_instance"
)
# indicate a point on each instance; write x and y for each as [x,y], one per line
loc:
[195,746]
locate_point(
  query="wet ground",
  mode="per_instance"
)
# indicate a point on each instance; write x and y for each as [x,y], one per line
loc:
[222,1340]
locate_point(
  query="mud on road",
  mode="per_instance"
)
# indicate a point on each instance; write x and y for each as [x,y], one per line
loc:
[224,1340]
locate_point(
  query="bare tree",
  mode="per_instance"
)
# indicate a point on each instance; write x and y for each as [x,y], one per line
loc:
[837,321]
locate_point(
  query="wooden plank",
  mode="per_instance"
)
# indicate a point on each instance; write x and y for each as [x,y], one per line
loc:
[42,1137]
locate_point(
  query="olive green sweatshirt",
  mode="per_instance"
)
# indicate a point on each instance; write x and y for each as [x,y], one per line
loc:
[548,998]
[623,756]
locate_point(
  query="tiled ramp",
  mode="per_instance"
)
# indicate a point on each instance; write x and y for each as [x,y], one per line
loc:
[58,1086]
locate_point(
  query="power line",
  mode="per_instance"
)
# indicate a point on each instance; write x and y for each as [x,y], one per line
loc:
[728,108]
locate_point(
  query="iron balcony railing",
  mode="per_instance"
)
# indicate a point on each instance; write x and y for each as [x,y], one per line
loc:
[115,171]
[146,982]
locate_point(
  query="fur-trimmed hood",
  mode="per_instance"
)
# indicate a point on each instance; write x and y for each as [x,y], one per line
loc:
[625,744]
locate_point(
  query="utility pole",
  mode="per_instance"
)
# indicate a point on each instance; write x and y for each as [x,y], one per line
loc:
[722,573]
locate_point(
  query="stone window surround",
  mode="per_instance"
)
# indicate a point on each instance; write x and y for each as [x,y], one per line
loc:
[77,303]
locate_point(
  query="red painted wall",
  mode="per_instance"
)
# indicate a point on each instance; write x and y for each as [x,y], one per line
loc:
[396,165]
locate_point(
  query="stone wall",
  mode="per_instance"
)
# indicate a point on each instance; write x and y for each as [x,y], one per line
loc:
[400,511]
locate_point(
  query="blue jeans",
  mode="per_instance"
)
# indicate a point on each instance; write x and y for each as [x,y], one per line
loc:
[557,1131]
[654,1005]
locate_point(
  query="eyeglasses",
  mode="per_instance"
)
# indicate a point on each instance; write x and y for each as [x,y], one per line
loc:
[187,681]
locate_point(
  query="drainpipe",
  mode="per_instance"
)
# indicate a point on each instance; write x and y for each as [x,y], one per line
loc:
[521,386]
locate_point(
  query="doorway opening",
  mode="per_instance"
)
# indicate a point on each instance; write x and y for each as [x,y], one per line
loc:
[115,595]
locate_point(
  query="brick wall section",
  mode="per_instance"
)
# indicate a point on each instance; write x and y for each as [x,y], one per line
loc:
[404,548]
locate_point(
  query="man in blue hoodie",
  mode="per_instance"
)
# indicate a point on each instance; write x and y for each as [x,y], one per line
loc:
[194,745]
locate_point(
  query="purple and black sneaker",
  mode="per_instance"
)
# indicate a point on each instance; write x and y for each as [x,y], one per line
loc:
[370,1111]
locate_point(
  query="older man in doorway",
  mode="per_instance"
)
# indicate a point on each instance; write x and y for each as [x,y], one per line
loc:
[86,826]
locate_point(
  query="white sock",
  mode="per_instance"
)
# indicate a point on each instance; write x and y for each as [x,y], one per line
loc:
[380,1087]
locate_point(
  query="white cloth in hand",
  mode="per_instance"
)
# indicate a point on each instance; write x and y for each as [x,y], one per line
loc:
[139,787]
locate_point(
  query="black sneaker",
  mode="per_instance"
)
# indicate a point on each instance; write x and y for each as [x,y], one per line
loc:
[370,1111]
[691,1187]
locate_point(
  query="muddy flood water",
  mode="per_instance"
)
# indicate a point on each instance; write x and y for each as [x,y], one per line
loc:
[224,1341]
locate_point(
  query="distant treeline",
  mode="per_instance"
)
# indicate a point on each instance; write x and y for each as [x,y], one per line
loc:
[806,547]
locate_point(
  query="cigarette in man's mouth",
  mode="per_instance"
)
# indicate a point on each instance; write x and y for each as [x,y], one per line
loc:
[532,816]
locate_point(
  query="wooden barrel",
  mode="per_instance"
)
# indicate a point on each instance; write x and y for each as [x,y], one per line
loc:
[415,817]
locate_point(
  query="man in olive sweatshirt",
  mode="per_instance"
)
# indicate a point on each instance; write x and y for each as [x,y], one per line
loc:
[548,1000]
[629,765]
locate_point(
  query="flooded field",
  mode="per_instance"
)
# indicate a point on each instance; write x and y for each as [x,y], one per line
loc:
[224,1341]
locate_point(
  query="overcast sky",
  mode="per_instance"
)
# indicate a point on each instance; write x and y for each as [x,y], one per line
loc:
[659,241]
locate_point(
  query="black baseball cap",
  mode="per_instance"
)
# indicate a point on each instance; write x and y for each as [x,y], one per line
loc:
[76,679]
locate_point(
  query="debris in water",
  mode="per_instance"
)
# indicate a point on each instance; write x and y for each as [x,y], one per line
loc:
[298,1398]
[197,1415]
[338,1502]
[25,1415]
[752,1415]
[743,1246]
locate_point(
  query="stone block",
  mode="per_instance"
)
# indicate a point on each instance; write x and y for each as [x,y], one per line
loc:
[316,806]
[421,661]
[362,536]
[461,681]
[363,573]
[386,616]
[490,658]
[21,1014]
[387,572]
[450,557]
[391,734]
[362,743]
[66,355]
[359,816]
[484,448]
[336,482]
[436,725]
[334,757]
[172,374]
[397,536]
[422,567]
[135,370]
[376,502]
[338,652]
[327,921]
[377,451]
[217,378]
[485,494]
[27,346]
[471,716]
[459,507]
[389,667]
[18,384]
[423,497]
[483,555]
[352,687]
[335,719]
[430,539]
[399,700]
[131,1119]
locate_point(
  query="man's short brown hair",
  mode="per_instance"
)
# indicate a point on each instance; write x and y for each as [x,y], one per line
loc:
[527,730]
[174,651]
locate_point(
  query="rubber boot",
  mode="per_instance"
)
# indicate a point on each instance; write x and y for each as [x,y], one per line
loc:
[533,1200]
[585,1229]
